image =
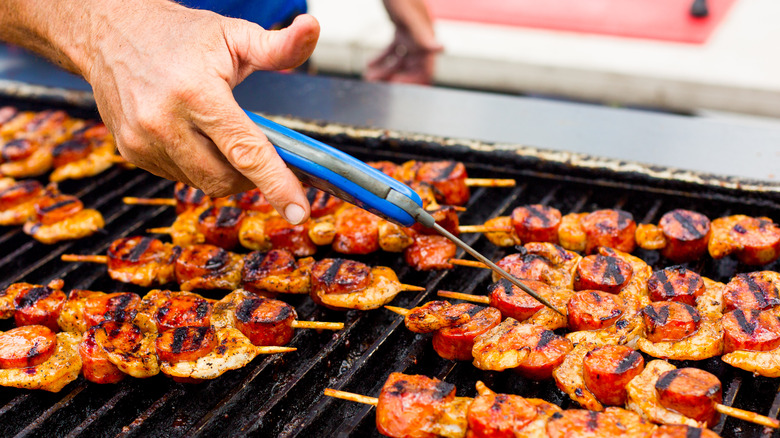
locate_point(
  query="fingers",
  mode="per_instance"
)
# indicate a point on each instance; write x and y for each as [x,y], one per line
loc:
[250,153]
[258,49]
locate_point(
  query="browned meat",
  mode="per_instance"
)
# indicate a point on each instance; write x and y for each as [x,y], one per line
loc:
[276,271]
[208,267]
[692,392]
[447,178]
[142,260]
[675,284]
[340,276]
[188,198]
[752,330]
[430,252]
[494,415]
[293,238]
[594,310]
[609,228]
[670,321]
[529,349]
[613,422]
[682,431]
[54,207]
[220,225]
[39,305]
[71,151]
[607,370]
[184,344]
[409,405]
[182,311]
[687,234]
[265,321]
[604,273]
[19,193]
[253,201]
[456,342]
[27,346]
[117,306]
[357,232]
[322,203]
[513,302]
[755,290]
[95,365]
[753,240]
[536,223]
[445,216]
[436,315]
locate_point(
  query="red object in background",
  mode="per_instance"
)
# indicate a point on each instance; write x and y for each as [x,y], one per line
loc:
[667,20]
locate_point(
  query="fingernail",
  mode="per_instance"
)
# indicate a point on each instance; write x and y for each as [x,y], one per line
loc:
[294,213]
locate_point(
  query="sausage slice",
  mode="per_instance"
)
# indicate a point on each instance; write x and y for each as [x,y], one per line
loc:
[687,234]
[536,223]
[752,330]
[754,290]
[26,346]
[183,311]
[675,284]
[185,343]
[604,273]
[456,342]
[118,306]
[594,310]
[95,365]
[670,321]
[610,228]
[39,305]
[339,276]
[515,303]
[220,226]
[265,322]
[691,392]
[608,369]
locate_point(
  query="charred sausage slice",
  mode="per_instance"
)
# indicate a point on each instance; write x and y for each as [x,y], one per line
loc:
[185,343]
[675,284]
[293,238]
[183,311]
[755,290]
[220,225]
[609,228]
[604,273]
[692,392]
[608,369]
[410,404]
[687,234]
[117,306]
[670,321]
[515,303]
[95,365]
[265,322]
[456,342]
[26,346]
[339,276]
[39,305]
[594,310]
[536,223]
[752,330]
[430,252]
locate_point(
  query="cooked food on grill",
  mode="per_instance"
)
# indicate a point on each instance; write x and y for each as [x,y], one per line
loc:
[85,309]
[675,284]
[604,273]
[346,284]
[515,303]
[681,235]
[34,143]
[34,357]
[430,252]
[454,326]
[208,267]
[677,330]
[595,376]
[276,271]
[753,290]
[17,201]
[142,260]
[418,406]
[753,240]
[531,350]
[61,217]
[752,341]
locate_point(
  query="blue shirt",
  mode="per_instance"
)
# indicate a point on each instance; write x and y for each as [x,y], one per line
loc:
[266,13]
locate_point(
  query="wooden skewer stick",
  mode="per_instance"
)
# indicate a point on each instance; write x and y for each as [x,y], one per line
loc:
[747,416]
[149,201]
[469,263]
[273,350]
[161,230]
[84,258]
[483,229]
[351,396]
[317,325]
[411,288]
[465,297]
[490,182]
[117,159]
[399,310]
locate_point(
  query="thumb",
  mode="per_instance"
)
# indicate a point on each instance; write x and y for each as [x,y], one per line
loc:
[257,49]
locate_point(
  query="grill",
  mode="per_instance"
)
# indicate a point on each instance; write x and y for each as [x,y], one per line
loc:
[281,395]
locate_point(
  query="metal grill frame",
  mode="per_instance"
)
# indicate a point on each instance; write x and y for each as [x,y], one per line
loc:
[281,395]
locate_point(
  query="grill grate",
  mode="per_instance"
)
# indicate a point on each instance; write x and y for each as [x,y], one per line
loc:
[281,395]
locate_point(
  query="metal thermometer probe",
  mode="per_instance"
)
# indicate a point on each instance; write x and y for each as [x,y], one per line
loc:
[352,180]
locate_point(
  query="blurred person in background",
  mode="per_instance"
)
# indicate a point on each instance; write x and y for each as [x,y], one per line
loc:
[162,75]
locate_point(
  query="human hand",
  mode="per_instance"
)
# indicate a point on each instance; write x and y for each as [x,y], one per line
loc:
[162,76]
[411,55]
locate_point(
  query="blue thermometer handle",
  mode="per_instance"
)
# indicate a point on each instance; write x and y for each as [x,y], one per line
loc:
[348,178]
[344,176]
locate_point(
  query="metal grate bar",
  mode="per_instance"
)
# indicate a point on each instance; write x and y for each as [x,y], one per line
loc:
[47,413]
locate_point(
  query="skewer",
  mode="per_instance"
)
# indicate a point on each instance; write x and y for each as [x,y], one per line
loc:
[318,325]
[463,229]
[149,201]
[274,350]
[465,297]
[351,396]
[747,416]
[399,310]
[469,263]
[411,288]
[89,258]
[490,182]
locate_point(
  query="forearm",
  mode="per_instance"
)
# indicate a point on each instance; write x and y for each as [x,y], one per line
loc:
[66,32]
[413,17]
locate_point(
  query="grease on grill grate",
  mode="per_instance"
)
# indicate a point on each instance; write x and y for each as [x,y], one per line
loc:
[281,395]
